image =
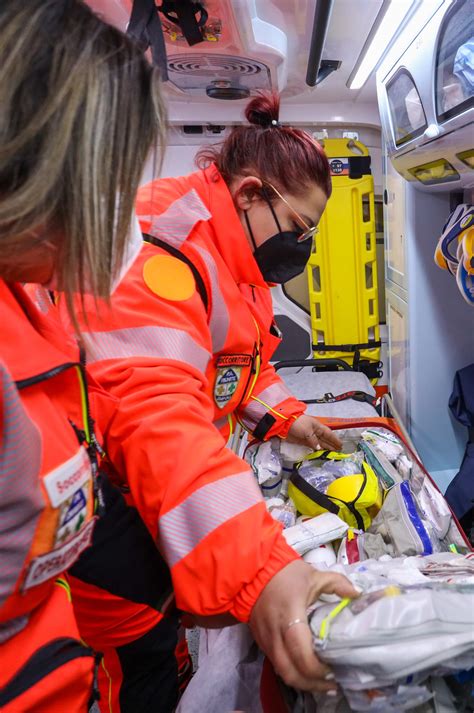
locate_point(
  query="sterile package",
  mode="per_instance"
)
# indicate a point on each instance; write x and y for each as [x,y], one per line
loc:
[402,526]
[388,635]
[314,532]
[282,510]
[435,508]
[266,463]
[385,471]
[322,555]
[385,441]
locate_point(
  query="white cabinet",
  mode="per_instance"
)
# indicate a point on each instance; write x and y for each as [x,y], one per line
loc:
[430,327]
[398,352]
[395,227]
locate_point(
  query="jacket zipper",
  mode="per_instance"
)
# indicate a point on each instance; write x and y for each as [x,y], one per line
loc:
[92,445]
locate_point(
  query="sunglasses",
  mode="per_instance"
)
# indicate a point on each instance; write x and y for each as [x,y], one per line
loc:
[310,231]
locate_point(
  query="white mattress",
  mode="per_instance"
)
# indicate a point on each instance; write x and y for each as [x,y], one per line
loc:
[307,384]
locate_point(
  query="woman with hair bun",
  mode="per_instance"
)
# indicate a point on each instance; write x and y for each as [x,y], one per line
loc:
[185,346]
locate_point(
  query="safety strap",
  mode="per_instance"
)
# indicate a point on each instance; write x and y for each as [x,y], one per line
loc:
[329,398]
[145,28]
[201,287]
[184,14]
[374,344]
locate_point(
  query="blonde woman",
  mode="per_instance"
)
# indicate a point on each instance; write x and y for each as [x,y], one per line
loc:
[79,111]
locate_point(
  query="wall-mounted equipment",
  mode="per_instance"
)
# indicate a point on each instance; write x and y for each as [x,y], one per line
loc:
[426,100]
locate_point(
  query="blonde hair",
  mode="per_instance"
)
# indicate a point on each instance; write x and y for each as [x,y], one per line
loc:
[80,109]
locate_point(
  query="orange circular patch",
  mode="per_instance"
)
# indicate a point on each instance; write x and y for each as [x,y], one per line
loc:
[168,277]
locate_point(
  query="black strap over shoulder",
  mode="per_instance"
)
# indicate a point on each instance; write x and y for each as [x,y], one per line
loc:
[188,15]
[145,28]
[201,287]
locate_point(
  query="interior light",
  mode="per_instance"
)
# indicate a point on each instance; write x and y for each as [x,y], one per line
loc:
[434,172]
[467,157]
[392,14]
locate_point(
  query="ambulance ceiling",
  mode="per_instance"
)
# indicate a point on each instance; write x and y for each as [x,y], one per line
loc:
[258,44]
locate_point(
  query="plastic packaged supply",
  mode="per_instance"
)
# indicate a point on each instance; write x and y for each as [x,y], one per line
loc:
[315,532]
[393,633]
[386,442]
[282,510]
[402,526]
[265,461]
[322,555]
[384,470]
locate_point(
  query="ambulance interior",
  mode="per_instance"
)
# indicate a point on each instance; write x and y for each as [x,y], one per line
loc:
[384,308]
[391,80]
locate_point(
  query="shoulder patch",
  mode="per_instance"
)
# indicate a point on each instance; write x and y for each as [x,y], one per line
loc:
[169,278]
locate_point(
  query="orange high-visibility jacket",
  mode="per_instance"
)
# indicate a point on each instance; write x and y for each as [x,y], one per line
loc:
[46,507]
[183,366]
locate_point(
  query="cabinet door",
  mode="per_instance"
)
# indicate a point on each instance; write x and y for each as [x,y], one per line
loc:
[455,62]
[394,225]
[398,356]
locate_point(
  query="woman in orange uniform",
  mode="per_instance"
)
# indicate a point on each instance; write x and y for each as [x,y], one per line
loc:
[185,346]
[69,169]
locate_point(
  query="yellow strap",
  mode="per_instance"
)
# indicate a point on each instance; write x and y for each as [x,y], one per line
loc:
[324,628]
[257,362]
[110,684]
[269,408]
[85,414]
[231,424]
[61,582]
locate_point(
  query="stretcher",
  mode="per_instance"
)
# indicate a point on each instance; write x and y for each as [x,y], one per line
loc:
[241,677]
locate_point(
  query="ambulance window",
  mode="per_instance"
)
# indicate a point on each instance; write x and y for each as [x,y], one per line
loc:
[408,115]
[455,62]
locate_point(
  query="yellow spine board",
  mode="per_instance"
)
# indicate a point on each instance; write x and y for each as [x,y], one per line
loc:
[342,270]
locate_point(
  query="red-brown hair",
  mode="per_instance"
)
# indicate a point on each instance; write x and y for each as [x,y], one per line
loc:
[286,157]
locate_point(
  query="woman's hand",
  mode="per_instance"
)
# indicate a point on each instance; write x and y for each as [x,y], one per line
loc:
[308,431]
[279,623]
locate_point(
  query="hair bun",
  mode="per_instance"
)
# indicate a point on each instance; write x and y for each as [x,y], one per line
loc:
[263,110]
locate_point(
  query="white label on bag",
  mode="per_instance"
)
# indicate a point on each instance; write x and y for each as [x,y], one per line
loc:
[64,481]
[53,563]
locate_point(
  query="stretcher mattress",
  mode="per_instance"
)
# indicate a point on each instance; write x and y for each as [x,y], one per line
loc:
[306,384]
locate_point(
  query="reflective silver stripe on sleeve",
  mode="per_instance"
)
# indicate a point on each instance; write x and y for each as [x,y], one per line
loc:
[219,320]
[209,507]
[221,422]
[21,502]
[153,342]
[175,224]
[254,411]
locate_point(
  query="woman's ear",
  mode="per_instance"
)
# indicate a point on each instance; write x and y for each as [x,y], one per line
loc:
[245,190]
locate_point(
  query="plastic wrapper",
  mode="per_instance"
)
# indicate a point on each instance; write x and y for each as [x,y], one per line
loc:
[394,633]
[282,510]
[402,525]
[386,442]
[320,473]
[266,463]
[390,699]
[322,556]
[314,532]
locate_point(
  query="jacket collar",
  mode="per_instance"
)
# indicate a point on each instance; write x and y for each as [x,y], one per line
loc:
[32,341]
[227,232]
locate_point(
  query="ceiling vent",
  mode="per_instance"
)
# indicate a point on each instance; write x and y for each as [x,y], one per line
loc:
[218,76]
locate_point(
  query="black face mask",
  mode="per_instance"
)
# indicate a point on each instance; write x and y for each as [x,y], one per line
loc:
[281,257]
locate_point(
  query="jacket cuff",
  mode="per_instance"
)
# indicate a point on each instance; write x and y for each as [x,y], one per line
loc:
[282,554]
[281,427]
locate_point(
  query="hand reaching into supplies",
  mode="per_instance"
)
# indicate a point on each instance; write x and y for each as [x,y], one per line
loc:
[308,431]
[280,626]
